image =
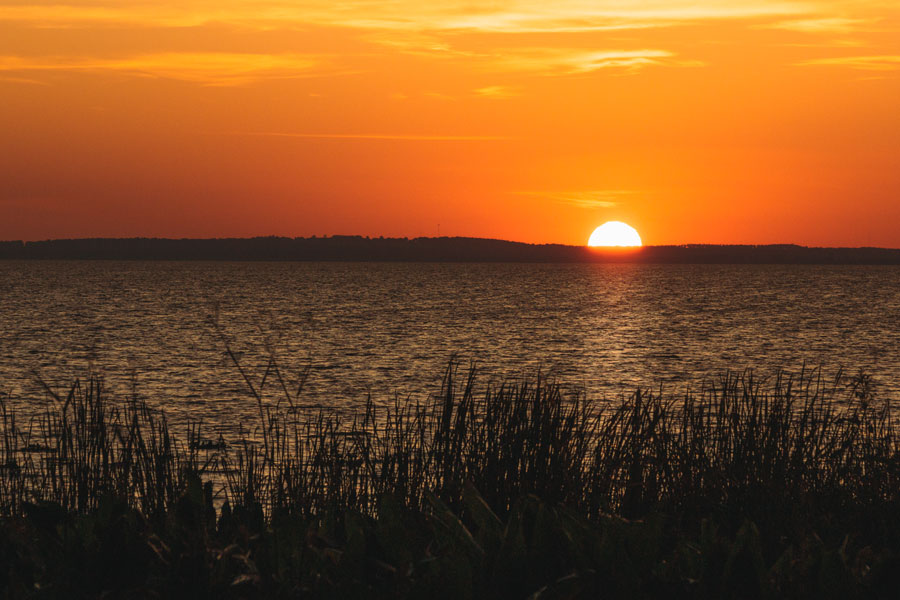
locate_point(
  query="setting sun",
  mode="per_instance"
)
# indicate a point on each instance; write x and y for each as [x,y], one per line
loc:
[615,233]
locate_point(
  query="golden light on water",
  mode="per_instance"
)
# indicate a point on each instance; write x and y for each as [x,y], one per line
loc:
[615,233]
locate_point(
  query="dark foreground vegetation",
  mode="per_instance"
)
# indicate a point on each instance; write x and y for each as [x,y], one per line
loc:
[787,487]
[424,249]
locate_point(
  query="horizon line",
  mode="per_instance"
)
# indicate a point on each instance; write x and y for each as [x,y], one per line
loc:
[444,237]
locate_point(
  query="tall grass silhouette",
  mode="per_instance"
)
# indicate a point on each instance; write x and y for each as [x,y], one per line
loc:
[745,487]
[789,446]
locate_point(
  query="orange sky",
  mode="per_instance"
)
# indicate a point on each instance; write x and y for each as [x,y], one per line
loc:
[695,121]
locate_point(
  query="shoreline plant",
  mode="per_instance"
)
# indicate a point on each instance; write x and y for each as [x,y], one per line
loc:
[745,487]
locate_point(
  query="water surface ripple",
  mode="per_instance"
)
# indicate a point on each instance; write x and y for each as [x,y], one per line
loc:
[391,328]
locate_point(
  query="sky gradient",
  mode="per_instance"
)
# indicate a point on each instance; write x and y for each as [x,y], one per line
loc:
[695,121]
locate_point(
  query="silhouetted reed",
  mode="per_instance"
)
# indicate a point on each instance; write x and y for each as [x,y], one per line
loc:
[744,488]
[784,450]
[84,448]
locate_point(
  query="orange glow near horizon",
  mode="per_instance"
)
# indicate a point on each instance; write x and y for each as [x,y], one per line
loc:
[701,121]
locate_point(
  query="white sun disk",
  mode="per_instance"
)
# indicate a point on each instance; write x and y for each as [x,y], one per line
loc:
[615,233]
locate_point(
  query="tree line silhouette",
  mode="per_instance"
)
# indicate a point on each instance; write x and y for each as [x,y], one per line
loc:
[439,249]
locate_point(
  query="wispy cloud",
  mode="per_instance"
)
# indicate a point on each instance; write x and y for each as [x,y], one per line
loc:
[376,136]
[497,92]
[505,16]
[24,80]
[822,25]
[559,22]
[450,30]
[482,34]
[569,61]
[590,199]
[93,15]
[209,68]
[533,16]
[864,63]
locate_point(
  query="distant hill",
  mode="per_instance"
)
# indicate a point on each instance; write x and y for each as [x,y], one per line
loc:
[441,249]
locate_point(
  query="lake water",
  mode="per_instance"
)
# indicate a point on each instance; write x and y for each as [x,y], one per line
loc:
[390,328]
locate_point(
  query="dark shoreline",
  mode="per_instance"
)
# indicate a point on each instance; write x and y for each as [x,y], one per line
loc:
[443,249]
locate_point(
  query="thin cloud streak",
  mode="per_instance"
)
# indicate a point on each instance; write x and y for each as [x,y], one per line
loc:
[527,16]
[208,68]
[497,92]
[573,17]
[822,25]
[430,29]
[22,80]
[590,199]
[578,61]
[864,63]
[376,136]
